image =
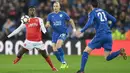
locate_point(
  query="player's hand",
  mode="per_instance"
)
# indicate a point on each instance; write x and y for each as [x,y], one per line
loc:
[74,31]
[78,34]
[47,25]
[4,39]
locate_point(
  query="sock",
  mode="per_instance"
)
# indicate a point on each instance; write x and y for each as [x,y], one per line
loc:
[84,60]
[56,53]
[49,62]
[61,52]
[113,55]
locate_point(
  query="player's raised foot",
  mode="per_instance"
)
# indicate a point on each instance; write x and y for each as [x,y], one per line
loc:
[64,66]
[16,60]
[54,69]
[79,71]
[123,53]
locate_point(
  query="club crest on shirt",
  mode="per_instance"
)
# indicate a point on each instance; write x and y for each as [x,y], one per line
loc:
[61,15]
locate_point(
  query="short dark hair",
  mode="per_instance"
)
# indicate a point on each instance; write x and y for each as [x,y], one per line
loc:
[94,3]
[32,7]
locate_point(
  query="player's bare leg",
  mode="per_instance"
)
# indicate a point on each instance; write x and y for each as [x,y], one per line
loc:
[106,54]
[47,58]
[59,57]
[84,59]
[59,44]
[56,53]
[19,55]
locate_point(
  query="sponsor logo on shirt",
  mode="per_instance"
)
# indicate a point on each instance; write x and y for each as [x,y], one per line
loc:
[33,25]
[57,23]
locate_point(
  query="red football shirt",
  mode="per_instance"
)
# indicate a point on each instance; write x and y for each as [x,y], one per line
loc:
[33,31]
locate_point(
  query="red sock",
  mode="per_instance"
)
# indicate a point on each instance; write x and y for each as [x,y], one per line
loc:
[49,62]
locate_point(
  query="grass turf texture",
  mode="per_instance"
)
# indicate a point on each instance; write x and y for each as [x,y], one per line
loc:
[36,64]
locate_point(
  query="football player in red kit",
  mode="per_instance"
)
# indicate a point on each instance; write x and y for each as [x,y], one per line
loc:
[34,28]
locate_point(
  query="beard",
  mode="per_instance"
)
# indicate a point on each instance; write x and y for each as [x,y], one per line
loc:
[32,15]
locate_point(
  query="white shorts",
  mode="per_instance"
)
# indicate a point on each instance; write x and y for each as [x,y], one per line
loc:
[33,45]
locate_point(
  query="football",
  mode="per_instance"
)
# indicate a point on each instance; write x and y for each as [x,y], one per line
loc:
[24,19]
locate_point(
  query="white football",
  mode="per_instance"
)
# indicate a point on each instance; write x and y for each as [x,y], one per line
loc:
[24,19]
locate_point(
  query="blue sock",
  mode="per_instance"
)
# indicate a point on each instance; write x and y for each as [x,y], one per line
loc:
[84,60]
[60,50]
[56,53]
[113,55]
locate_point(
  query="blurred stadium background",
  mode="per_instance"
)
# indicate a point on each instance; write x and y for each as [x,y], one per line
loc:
[12,10]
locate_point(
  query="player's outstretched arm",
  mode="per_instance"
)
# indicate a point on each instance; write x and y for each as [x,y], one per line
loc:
[112,18]
[67,17]
[73,24]
[22,26]
[89,22]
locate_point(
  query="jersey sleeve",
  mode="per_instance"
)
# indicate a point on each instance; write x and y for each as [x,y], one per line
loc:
[22,26]
[110,17]
[66,16]
[42,25]
[89,22]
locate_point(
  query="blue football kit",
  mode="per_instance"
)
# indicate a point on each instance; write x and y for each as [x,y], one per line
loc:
[58,24]
[60,31]
[103,38]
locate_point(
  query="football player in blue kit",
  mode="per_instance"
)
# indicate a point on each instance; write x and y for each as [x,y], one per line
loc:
[57,20]
[103,38]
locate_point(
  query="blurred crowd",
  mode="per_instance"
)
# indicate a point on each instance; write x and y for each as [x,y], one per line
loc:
[12,10]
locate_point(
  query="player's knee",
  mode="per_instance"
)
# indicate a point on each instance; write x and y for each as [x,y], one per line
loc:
[21,52]
[54,47]
[43,53]
[58,45]
[88,50]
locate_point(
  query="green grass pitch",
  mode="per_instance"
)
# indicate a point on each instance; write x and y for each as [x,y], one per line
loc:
[36,64]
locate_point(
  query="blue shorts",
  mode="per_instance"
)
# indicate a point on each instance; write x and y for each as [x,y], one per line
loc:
[104,40]
[57,36]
